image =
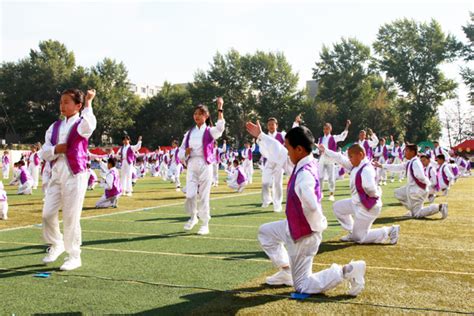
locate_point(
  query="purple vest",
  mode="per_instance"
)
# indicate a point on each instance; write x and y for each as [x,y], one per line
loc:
[341,172]
[207,144]
[36,159]
[241,178]
[76,153]
[92,179]
[436,185]
[176,158]
[418,182]
[116,187]
[462,163]
[217,155]
[365,199]
[3,196]
[443,175]
[368,150]
[279,137]
[5,160]
[331,143]
[297,222]
[24,175]
[249,154]
[130,155]
[455,170]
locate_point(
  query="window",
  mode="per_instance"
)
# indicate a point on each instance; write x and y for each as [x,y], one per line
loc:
[143,90]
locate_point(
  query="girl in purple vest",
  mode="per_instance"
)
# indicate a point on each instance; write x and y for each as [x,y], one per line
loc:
[327,167]
[292,243]
[414,194]
[6,165]
[127,156]
[196,152]
[357,214]
[174,170]
[24,179]
[247,156]
[112,186]
[65,146]
[3,203]
[34,165]
[237,178]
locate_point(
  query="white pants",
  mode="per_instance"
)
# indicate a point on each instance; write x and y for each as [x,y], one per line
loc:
[272,177]
[215,173]
[3,209]
[274,237]
[381,173]
[198,189]
[327,168]
[173,174]
[66,192]
[248,169]
[357,220]
[126,177]
[413,197]
[6,171]
[34,171]
[25,188]
[401,174]
[104,202]
[163,173]
[235,186]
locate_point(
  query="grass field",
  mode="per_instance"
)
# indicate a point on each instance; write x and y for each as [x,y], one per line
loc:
[138,259]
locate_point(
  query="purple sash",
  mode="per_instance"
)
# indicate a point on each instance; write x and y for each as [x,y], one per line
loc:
[241,178]
[443,175]
[331,143]
[116,186]
[367,201]
[279,137]
[417,181]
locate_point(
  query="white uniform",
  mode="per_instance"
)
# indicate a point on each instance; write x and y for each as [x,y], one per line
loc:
[45,177]
[126,168]
[174,170]
[105,202]
[199,173]
[3,203]
[446,170]
[5,167]
[412,196]
[65,190]
[272,181]
[327,167]
[441,151]
[91,173]
[34,169]
[275,237]
[27,187]
[378,154]
[432,176]
[351,213]
[247,164]
[232,181]
[397,160]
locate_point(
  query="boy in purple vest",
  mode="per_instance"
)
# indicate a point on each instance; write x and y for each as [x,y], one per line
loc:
[327,167]
[127,156]
[3,203]
[292,243]
[112,187]
[368,141]
[357,214]
[247,156]
[6,165]
[438,150]
[414,194]
[34,165]
[432,174]
[24,179]
[196,152]
[381,155]
[237,178]
[65,146]
[445,175]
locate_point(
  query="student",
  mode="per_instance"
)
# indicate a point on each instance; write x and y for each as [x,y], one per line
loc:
[92,177]
[6,165]
[327,167]
[196,152]
[237,178]
[357,214]
[34,165]
[16,174]
[397,158]
[445,176]
[432,173]
[368,141]
[414,194]
[292,243]
[218,153]
[438,150]
[175,166]
[381,155]
[24,179]
[127,156]
[112,187]
[462,164]
[66,143]
[247,156]
[3,203]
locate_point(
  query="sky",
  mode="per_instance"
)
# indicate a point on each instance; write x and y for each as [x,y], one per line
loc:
[171,40]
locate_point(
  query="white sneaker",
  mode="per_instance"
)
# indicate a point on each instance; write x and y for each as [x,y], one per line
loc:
[384,183]
[282,277]
[204,230]
[392,180]
[444,210]
[191,223]
[53,254]
[277,209]
[347,237]
[394,234]
[400,180]
[408,214]
[241,189]
[265,205]
[356,277]
[71,263]
[178,189]
[331,198]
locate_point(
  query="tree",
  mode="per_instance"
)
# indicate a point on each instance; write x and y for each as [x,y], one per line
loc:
[467,53]
[411,54]
[458,122]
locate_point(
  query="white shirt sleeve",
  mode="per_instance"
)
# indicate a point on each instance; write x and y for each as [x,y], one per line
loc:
[374,141]
[47,152]
[216,131]
[182,149]
[109,181]
[341,137]
[88,123]
[271,149]
[395,167]
[137,146]
[338,158]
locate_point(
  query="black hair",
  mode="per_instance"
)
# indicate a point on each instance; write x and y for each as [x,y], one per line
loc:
[202,108]
[76,95]
[175,141]
[441,157]
[21,163]
[236,161]
[301,136]
[412,147]
[272,119]
[112,161]
[424,156]
[126,137]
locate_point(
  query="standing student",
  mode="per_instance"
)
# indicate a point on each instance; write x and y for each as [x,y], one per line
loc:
[368,140]
[438,150]
[292,243]
[127,156]
[247,156]
[175,168]
[327,167]
[34,165]
[381,155]
[65,146]
[397,158]
[237,177]
[196,152]
[112,187]
[414,194]
[3,203]
[6,165]
[357,214]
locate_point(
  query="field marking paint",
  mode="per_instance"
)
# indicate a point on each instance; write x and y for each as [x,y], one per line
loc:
[267,261]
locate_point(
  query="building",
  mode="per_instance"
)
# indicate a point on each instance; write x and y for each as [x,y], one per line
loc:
[312,88]
[144,91]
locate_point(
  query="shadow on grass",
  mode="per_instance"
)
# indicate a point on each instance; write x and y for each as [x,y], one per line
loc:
[185,218]
[25,270]
[23,248]
[393,204]
[234,255]
[131,239]
[395,219]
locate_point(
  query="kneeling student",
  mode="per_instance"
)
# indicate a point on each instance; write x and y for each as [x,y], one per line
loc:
[112,185]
